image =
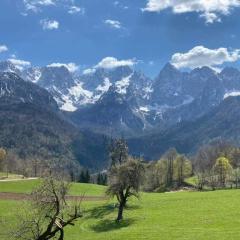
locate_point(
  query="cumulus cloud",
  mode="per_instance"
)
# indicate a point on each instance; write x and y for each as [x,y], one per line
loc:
[3,48]
[20,64]
[200,56]
[75,9]
[72,67]
[49,24]
[113,23]
[210,10]
[110,63]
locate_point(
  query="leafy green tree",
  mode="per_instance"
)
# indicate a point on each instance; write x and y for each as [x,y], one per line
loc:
[222,168]
[124,181]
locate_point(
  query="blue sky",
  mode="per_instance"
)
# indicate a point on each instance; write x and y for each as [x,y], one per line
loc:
[145,33]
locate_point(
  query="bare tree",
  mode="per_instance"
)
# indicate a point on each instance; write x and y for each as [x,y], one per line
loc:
[50,213]
[200,180]
[3,155]
[236,177]
[124,181]
[212,179]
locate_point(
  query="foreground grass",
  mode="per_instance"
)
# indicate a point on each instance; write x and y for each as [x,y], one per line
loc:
[169,216]
[26,186]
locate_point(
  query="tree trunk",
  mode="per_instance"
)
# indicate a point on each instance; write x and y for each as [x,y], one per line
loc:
[120,212]
[61,237]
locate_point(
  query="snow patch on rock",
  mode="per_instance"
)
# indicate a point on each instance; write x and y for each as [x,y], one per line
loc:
[123,84]
[231,94]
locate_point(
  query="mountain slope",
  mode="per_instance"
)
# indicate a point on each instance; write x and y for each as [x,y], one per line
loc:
[32,126]
[186,137]
[146,105]
[111,115]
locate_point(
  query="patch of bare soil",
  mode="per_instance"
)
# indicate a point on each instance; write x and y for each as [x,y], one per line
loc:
[23,196]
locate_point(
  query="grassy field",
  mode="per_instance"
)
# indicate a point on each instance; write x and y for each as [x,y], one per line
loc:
[26,186]
[167,216]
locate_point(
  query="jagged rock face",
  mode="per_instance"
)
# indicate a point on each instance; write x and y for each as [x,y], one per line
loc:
[13,89]
[195,81]
[7,66]
[56,77]
[112,114]
[72,92]
[32,74]
[167,88]
[230,78]
[126,80]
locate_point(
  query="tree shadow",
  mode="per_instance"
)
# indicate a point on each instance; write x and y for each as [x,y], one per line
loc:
[111,225]
[100,211]
[132,207]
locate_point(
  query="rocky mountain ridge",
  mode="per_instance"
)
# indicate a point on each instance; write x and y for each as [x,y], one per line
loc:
[147,104]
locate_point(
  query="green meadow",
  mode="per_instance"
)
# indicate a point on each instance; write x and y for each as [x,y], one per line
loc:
[167,216]
[26,186]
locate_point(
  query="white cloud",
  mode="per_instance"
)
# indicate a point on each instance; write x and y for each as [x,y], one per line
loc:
[20,64]
[35,5]
[110,63]
[3,48]
[75,9]
[211,10]
[113,23]
[200,56]
[89,71]
[49,24]
[72,67]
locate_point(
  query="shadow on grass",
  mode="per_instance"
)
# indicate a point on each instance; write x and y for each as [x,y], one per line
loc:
[132,207]
[100,211]
[110,225]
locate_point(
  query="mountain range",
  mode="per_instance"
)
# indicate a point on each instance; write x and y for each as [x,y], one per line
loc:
[124,102]
[221,123]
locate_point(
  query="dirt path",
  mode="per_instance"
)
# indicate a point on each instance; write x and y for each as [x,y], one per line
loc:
[23,196]
[16,179]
